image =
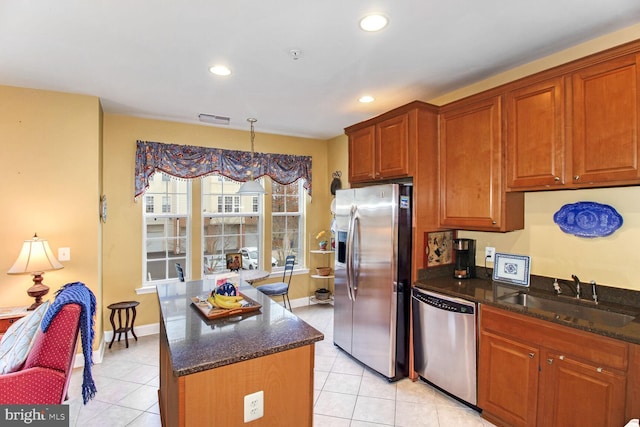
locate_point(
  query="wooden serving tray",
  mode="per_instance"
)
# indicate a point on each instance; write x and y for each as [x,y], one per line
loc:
[217,313]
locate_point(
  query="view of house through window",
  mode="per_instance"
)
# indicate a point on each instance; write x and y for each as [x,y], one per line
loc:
[231,224]
[167,211]
[287,206]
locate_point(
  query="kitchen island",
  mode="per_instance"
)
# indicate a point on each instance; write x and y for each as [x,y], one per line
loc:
[207,367]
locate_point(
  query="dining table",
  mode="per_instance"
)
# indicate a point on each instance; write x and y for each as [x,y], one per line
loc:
[252,276]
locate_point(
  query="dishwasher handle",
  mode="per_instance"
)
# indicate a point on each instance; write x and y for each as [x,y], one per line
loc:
[443,302]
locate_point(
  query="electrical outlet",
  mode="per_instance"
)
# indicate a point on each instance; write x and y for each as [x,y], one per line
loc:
[489,253]
[253,406]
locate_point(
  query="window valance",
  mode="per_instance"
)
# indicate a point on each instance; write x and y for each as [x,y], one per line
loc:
[188,162]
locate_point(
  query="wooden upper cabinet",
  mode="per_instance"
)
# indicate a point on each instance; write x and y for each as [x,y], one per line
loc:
[605,123]
[385,147]
[471,170]
[392,147]
[535,136]
[362,157]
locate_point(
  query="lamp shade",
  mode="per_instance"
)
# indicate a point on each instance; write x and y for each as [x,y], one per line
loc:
[251,187]
[35,256]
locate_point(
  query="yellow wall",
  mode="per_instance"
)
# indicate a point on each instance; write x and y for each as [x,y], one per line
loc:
[611,260]
[123,230]
[339,157]
[50,179]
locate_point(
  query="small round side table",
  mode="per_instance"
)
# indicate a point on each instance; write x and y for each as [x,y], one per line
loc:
[118,307]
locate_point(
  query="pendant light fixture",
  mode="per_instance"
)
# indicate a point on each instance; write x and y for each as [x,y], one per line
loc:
[251,186]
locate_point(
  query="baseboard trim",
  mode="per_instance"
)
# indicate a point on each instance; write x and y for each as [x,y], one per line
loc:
[98,354]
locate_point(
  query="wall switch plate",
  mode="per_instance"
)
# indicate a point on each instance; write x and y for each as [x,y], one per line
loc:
[64,254]
[253,406]
[489,253]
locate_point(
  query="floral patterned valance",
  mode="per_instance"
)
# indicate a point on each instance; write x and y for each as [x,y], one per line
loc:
[188,161]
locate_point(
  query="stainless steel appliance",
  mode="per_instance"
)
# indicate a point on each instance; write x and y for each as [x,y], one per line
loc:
[372,276]
[465,256]
[444,340]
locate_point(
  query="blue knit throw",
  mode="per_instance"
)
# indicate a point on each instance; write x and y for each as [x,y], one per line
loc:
[78,293]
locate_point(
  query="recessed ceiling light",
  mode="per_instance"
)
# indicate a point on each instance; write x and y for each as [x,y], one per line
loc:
[367,98]
[373,22]
[220,70]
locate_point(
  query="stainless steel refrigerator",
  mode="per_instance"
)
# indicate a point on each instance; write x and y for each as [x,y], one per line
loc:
[373,276]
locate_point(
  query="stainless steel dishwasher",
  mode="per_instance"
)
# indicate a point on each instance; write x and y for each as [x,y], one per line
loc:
[444,342]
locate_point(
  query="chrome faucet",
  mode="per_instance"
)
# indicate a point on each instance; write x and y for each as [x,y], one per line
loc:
[577,283]
[594,295]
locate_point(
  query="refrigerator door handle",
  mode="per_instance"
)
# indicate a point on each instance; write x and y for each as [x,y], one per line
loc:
[349,250]
[355,264]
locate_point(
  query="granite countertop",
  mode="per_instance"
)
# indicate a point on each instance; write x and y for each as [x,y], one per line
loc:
[483,290]
[197,343]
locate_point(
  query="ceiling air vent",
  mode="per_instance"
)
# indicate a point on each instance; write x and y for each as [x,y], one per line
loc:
[216,120]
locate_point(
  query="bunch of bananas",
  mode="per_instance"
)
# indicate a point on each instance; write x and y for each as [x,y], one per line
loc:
[223,301]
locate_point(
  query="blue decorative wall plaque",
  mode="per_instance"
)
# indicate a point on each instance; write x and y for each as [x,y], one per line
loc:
[588,219]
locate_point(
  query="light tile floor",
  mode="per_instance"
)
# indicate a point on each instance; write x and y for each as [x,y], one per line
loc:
[346,392]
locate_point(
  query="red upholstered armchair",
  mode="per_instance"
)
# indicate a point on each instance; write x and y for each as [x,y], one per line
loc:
[45,376]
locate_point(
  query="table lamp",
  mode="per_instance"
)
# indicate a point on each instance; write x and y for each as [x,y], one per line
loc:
[35,258]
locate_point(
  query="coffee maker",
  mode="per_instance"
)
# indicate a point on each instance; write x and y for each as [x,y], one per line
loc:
[465,256]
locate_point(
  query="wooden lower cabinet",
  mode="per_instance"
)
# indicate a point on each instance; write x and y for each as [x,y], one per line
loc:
[576,393]
[536,373]
[215,397]
[508,379]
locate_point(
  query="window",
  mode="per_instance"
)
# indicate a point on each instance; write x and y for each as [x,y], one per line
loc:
[166,204]
[229,204]
[287,206]
[149,201]
[230,224]
[166,234]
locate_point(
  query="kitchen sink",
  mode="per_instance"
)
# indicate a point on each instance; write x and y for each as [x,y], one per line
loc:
[568,312]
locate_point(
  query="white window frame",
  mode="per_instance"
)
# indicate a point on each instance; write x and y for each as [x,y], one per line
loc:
[236,211]
[146,283]
[302,214]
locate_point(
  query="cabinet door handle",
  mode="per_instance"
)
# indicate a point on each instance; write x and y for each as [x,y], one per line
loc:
[556,178]
[532,355]
[576,177]
[561,357]
[599,369]
[550,361]
[493,222]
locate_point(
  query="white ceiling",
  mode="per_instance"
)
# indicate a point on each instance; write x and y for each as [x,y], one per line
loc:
[150,58]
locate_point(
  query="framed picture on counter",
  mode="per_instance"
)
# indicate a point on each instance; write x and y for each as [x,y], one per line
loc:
[438,248]
[234,261]
[513,269]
